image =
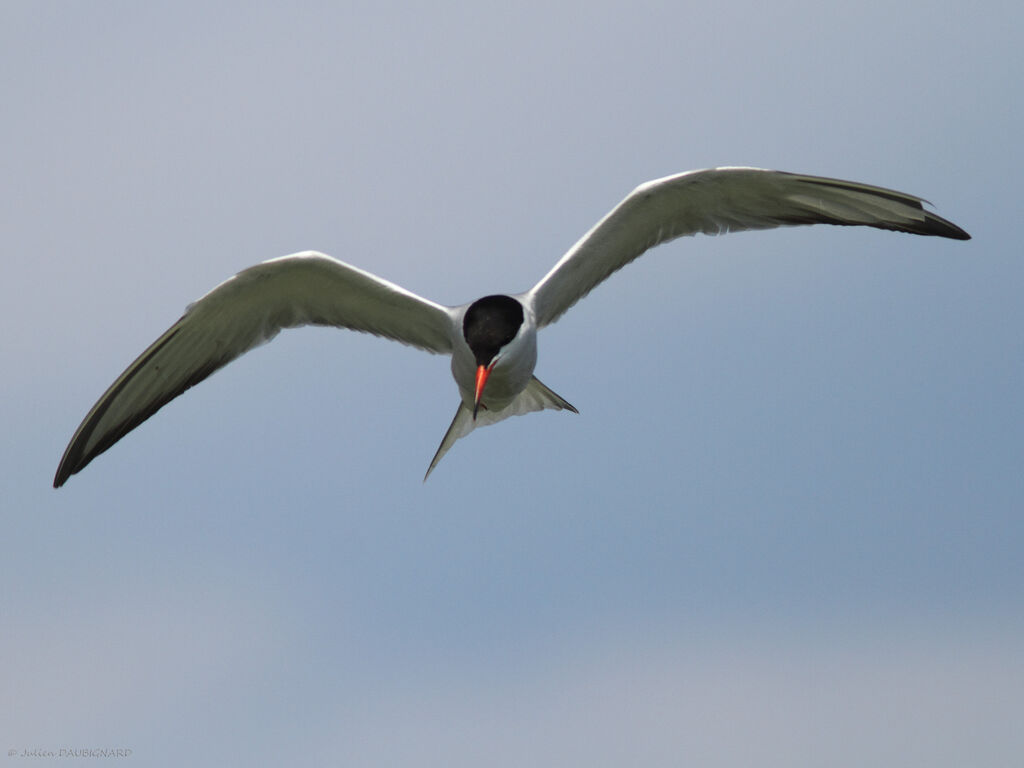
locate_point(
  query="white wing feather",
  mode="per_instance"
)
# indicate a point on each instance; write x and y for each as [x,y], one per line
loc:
[716,201]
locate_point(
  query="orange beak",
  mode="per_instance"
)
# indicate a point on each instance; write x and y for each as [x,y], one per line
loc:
[482,372]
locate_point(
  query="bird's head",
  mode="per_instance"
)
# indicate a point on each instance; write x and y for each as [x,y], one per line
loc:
[490,326]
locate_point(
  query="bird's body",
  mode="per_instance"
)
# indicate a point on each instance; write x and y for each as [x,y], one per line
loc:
[492,341]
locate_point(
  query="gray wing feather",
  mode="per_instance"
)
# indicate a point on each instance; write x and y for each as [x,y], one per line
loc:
[247,310]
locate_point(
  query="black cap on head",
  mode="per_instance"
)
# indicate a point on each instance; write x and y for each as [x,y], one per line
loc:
[489,324]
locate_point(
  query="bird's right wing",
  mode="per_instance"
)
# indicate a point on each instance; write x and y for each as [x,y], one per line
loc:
[244,311]
[716,201]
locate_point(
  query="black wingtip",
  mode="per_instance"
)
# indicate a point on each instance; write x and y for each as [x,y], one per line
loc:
[935,226]
[945,228]
[64,471]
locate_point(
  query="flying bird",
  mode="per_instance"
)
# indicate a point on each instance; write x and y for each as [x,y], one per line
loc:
[493,340]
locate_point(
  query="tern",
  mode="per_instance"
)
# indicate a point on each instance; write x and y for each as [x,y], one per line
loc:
[493,340]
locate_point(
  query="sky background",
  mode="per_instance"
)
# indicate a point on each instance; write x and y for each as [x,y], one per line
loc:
[784,530]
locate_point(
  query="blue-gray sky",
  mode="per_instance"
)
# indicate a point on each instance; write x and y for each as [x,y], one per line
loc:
[784,530]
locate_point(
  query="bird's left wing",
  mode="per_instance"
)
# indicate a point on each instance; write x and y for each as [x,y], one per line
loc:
[244,311]
[716,201]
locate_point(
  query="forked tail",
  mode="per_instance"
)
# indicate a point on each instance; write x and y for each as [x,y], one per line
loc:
[536,397]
